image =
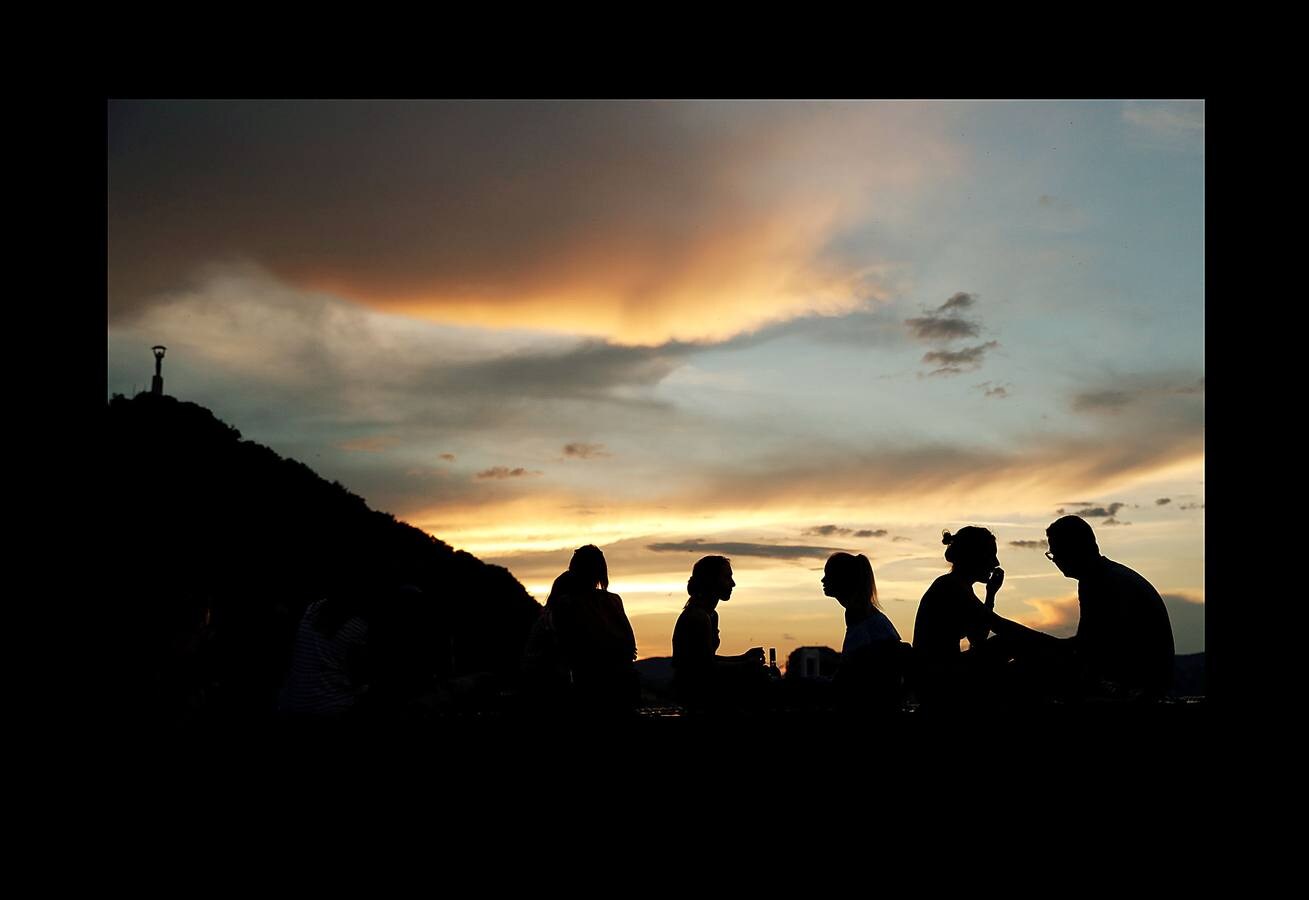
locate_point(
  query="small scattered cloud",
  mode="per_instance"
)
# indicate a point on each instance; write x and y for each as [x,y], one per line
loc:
[506,472]
[1132,391]
[740,548]
[960,300]
[1163,501]
[899,540]
[1112,521]
[826,530]
[1031,545]
[1093,512]
[934,328]
[944,323]
[1000,391]
[789,637]
[1191,506]
[448,457]
[953,362]
[830,530]
[579,450]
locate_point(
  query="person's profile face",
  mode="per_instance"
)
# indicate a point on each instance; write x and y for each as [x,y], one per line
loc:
[1053,555]
[829,580]
[726,583]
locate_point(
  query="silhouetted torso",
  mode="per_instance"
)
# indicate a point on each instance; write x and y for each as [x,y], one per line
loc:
[948,612]
[598,645]
[877,627]
[1124,635]
[327,669]
[695,641]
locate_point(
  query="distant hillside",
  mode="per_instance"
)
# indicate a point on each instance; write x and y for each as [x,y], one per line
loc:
[202,524]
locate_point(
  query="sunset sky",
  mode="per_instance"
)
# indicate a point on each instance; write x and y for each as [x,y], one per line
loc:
[767,330]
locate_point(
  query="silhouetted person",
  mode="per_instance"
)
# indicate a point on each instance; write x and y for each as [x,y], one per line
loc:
[949,612]
[872,655]
[546,672]
[595,635]
[329,660]
[1123,647]
[700,677]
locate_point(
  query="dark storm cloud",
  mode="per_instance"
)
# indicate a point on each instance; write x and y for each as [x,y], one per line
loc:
[734,548]
[506,472]
[1030,545]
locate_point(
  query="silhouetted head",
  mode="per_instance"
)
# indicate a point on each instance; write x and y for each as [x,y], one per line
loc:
[567,583]
[971,552]
[849,579]
[589,565]
[711,579]
[1072,545]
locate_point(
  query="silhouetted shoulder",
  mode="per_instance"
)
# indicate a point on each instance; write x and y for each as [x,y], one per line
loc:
[1128,579]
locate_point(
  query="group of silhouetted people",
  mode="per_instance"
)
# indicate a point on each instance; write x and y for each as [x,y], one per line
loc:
[1123,647]
[579,654]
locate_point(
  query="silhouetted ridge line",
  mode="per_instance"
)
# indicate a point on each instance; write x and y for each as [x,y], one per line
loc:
[203,526]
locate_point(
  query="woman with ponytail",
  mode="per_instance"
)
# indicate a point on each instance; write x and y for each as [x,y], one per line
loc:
[849,580]
[870,676]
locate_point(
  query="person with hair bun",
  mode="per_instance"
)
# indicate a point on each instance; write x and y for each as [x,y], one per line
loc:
[949,612]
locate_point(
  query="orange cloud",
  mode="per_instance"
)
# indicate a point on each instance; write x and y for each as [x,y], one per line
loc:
[640,222]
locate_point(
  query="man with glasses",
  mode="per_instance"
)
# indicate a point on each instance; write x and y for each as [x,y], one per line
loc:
[1123,647]
[1124,641]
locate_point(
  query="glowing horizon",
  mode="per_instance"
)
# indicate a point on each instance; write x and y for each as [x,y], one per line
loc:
[785,328]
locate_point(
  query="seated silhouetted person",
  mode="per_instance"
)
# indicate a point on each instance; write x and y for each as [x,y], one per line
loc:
[944,676]
[1123,647]
[329,662]
[870,675]
[701,678]
[594,635]
[546,675]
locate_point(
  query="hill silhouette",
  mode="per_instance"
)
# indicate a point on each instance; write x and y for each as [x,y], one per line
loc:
[216,545]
